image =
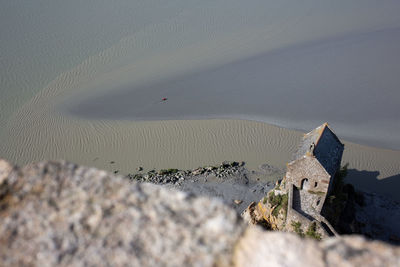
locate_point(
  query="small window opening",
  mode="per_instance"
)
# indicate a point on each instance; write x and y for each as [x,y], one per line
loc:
[315,184]
[304,184]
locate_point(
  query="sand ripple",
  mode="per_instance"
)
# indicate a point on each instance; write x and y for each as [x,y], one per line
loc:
[193,39]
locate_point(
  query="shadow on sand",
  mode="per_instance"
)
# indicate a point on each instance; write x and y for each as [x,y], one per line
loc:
[368,181]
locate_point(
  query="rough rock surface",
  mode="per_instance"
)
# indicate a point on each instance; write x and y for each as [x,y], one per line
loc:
[57,213]
[258,248]
[61,214]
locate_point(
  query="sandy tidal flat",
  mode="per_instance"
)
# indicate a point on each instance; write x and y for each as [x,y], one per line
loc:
[123,146]
[86,86]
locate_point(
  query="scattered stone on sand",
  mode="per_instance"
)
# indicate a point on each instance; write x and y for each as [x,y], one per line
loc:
[227,181]
[197,171]
[173,176]
[269,169]
[5,170]
[238,201]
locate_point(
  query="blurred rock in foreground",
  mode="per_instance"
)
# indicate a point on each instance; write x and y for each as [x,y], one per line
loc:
[58,213]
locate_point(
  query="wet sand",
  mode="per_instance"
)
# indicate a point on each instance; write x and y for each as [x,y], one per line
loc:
[41,129]
[349,81]
[123,146]
[231,70]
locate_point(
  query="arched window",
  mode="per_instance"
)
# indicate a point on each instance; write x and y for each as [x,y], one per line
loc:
[304,184]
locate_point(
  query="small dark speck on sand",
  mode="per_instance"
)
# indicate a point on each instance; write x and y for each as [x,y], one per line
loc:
[116,172]
[112,162]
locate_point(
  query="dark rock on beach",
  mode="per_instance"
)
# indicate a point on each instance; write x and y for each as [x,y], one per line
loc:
[228,181]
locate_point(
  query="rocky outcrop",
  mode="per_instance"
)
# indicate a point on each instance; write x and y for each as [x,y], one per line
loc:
[270,212]
[257,248]
[58,213]
[177,177]
[368,214]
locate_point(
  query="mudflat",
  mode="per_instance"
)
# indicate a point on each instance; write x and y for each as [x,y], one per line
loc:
[230,71]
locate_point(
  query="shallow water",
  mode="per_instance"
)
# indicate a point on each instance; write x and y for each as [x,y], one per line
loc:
[352,82]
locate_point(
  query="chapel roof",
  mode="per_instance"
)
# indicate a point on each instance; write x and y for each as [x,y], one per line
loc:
[324,145]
